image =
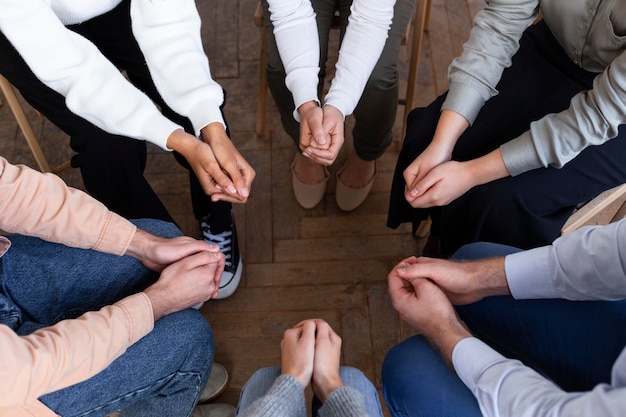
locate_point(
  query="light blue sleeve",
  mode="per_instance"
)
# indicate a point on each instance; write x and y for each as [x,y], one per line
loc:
[587,264]
[507,388]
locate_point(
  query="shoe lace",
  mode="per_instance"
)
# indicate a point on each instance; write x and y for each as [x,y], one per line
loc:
[223,240]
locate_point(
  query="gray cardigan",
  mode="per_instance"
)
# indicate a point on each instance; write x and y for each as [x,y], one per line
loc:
[286,399]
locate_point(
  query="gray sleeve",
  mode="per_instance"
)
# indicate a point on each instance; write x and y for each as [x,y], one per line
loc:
[284,399]
[344,402]
[592,118]
[494,39]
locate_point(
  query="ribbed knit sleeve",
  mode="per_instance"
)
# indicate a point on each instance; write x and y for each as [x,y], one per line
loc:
[284,399]
[344,402]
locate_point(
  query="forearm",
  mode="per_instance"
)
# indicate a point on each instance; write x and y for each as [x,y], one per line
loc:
[42,205]
[506,387]
[494,39]
[72,66]
[297,40]
[593,117]
[168,33]
[487,168]
[361,47]
[71,351]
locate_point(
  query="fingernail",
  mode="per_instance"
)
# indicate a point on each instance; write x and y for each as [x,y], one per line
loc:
[245,192]
[402,270]
[321,140]
[232,189]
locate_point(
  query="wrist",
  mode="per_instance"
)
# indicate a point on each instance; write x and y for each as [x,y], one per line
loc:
[180,141]
[139,245]
[446,337]
[307,106]
[212,131]
[328,386]
[487,168]
[157,299]
[490,277]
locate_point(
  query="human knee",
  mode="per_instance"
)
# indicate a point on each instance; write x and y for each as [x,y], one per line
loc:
[187,334]
[480,250]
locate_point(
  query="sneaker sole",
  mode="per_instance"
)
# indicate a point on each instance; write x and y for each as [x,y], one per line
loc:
[228,289]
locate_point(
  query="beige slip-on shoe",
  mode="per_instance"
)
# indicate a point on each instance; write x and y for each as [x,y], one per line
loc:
[308,195]
[216,385]
[349,198]
[214,410]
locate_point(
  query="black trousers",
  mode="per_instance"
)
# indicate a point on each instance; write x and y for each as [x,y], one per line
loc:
[111,166]
[530,209]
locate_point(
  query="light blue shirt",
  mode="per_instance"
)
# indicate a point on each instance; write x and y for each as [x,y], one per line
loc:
[588,264]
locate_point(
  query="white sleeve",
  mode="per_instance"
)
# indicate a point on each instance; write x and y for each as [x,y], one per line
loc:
[363,42]
[297,40]
[506,387]
[93,87]
[168,33]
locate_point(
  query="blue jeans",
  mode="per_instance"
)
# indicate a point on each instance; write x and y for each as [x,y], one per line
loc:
[573,343]
[42,283]
[262,380]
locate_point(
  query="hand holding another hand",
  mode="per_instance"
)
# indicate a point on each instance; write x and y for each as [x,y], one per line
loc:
[325,147]
[223,173]
[297,351]
[186,283]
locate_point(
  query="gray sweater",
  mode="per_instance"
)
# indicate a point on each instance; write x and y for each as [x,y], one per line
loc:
[592,33]
[286,399]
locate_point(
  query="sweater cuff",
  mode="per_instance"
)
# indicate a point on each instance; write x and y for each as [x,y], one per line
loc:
[205,113]
[519,155]
[116,235]
[344,401]
[465,100]
[138,310]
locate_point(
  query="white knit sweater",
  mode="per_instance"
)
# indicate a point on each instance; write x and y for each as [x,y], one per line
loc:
[168,33]
[297,40]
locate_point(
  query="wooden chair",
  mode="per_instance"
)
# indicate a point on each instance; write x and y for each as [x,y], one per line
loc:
[26,128]
[419,25]
[608,207]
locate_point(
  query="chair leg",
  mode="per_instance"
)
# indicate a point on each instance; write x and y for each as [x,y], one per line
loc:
[24,124]
[420,25]
[261,108]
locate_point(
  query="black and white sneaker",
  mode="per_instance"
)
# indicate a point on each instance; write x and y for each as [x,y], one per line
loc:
[227,241]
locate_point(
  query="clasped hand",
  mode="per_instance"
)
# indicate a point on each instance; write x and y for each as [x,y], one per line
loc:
[434,180]
[223,173]
[321,132]
[311,352]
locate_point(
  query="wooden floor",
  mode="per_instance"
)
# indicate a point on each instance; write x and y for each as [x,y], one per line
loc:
[297,263]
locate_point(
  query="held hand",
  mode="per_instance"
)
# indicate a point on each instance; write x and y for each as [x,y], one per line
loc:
[297,351]
[427,309]
[185,283]
[236,187]
[326,377]
[157,252]
[442,185]
[311,128]
[334,127]
[462,282]
[431,157]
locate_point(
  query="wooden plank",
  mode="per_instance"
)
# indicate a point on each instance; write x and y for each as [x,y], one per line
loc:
[319,249]
[259,210]
[317,272]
